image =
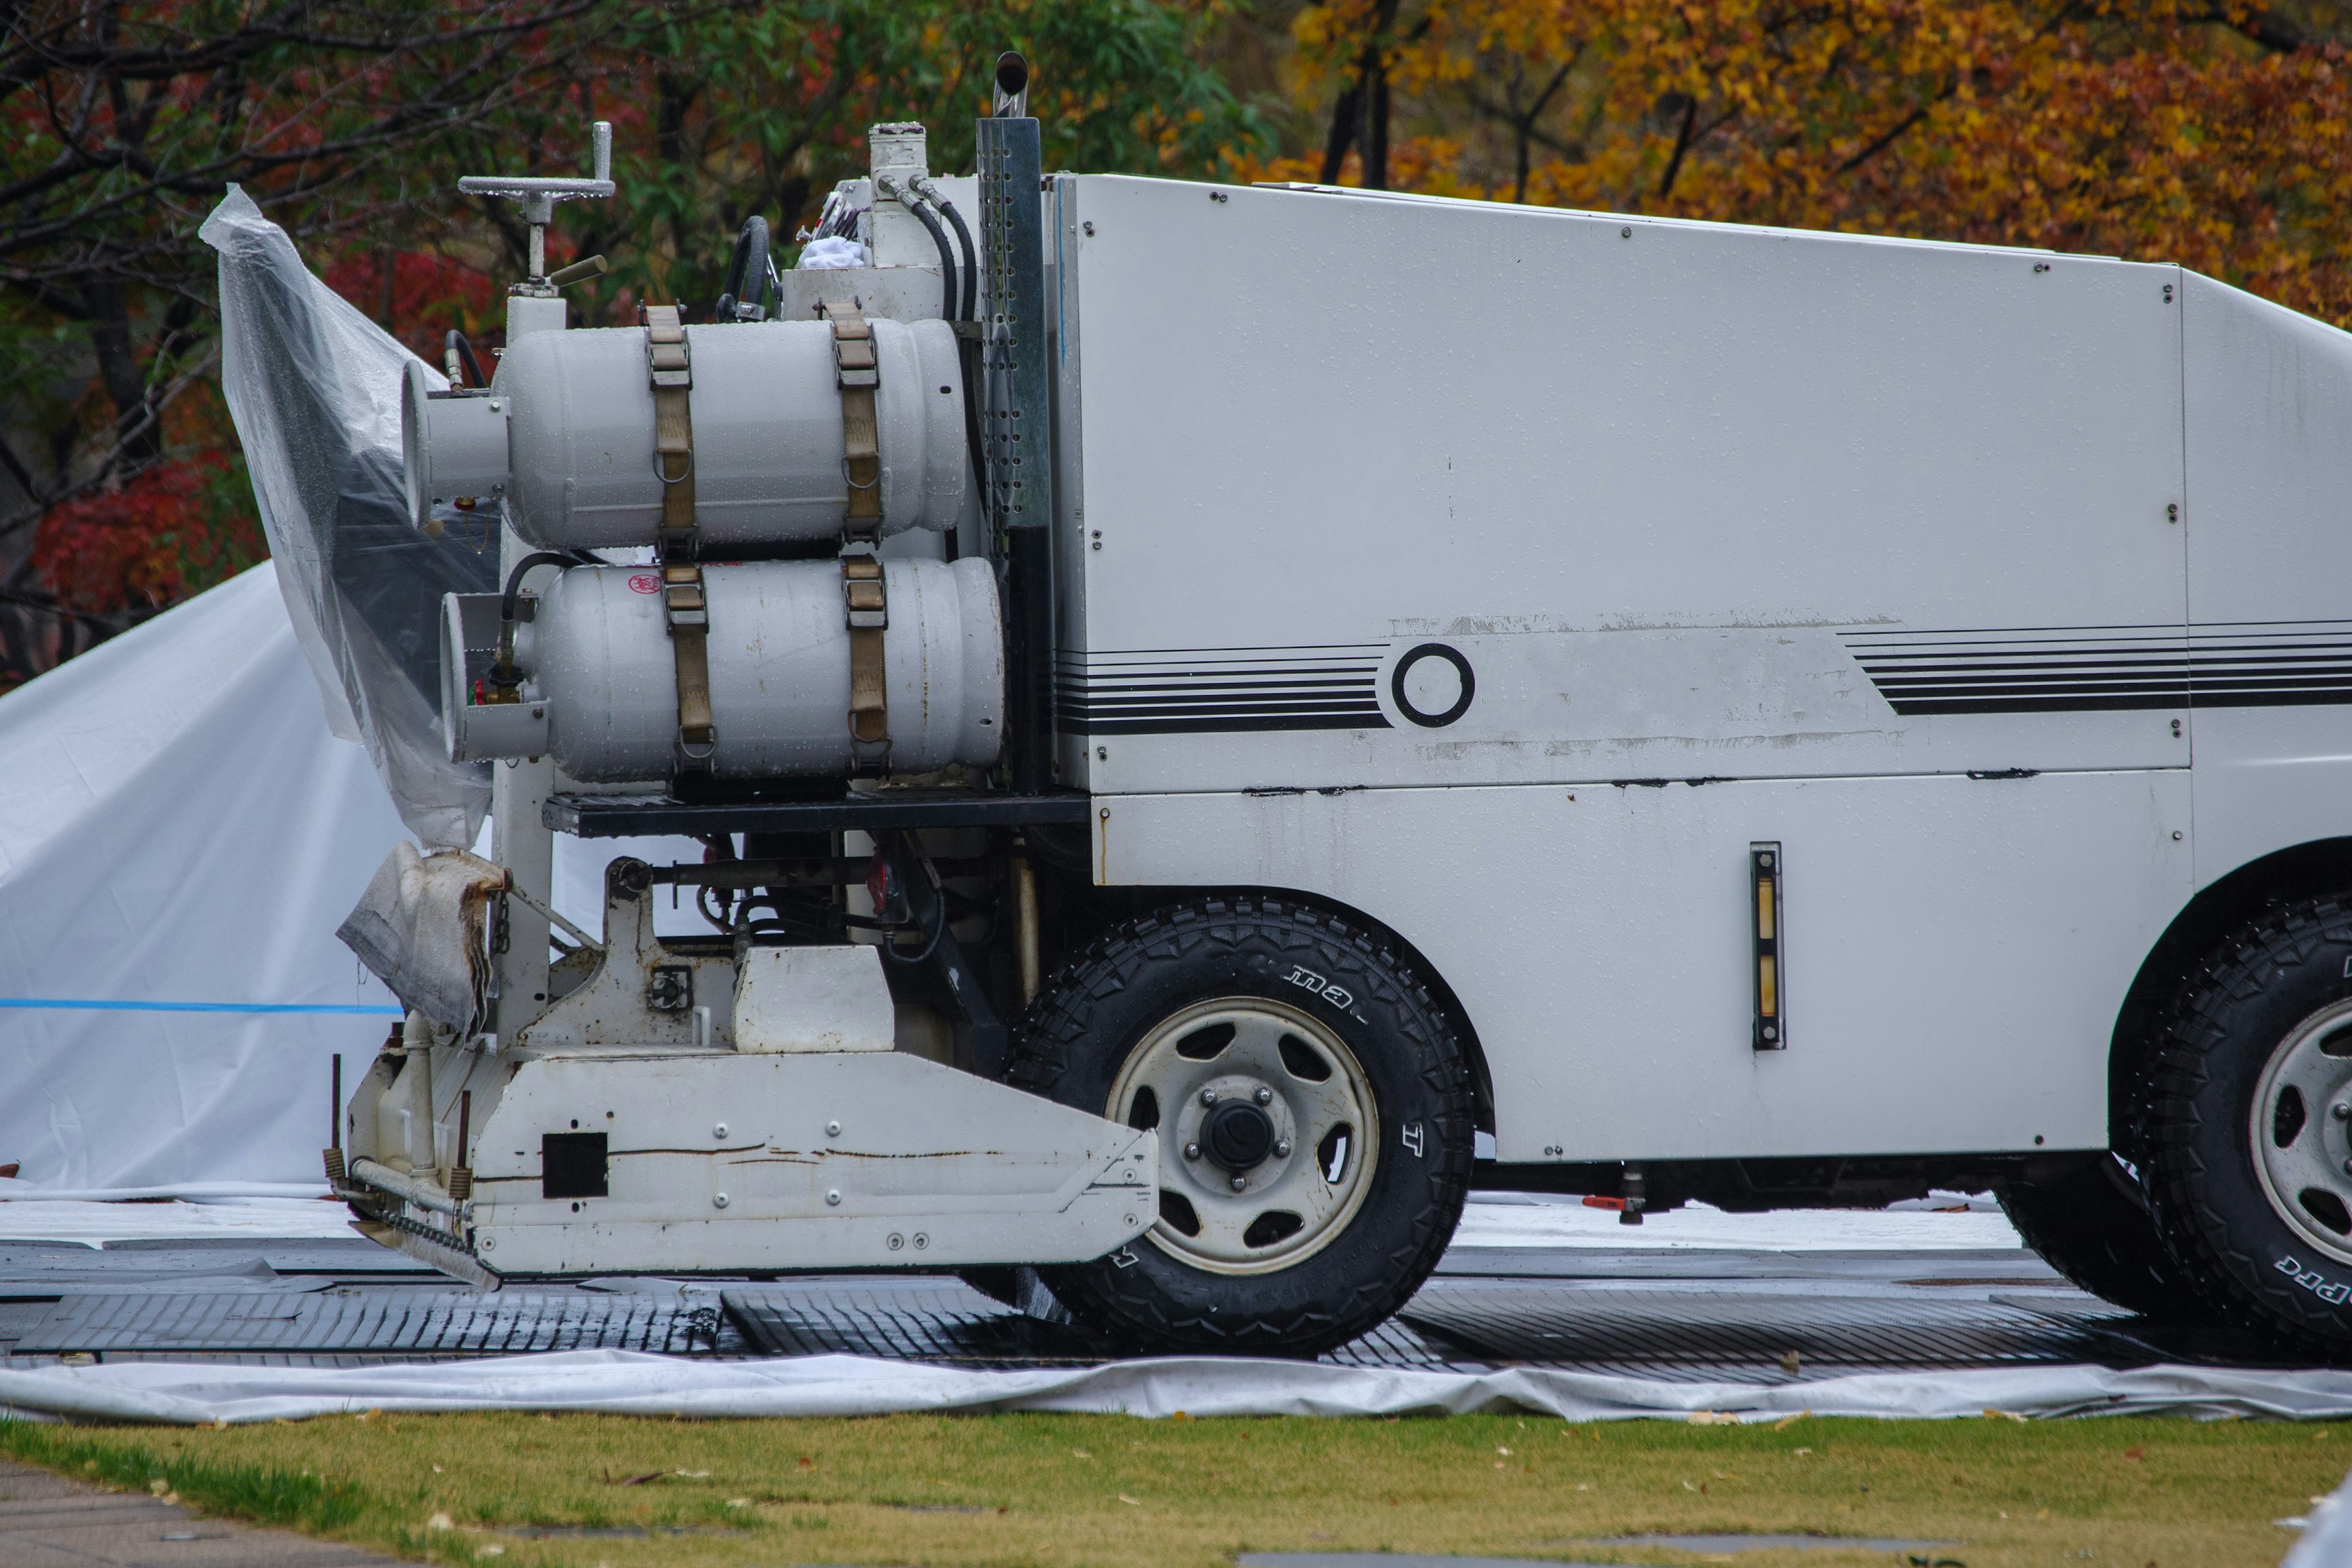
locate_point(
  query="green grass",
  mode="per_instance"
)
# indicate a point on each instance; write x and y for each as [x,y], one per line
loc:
[1050,1491]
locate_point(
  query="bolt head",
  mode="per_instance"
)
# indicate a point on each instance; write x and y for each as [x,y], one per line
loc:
[1263,1096]
[719,1200]
[719,1130]
[1192,1150]
[1208,1097]
[1240,1182]
[832,1198]
[833,1128]
[2341,1111]
[1282,1148]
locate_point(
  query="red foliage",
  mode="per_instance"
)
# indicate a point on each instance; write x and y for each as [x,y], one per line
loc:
[428,295]
[175,529]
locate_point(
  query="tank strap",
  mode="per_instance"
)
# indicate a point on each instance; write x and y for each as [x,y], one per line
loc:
[670,361]
[865,598]
[857,374]
[857,371]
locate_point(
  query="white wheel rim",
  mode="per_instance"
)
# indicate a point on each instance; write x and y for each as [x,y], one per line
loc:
[2301,1129]
[1329,1126]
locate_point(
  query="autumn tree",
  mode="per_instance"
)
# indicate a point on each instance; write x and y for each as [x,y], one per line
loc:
[121,123]
[2211,134]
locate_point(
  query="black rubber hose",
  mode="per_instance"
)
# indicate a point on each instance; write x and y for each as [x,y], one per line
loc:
[503,673]
[749,265]
[913,203]
[971,260]
[457,340]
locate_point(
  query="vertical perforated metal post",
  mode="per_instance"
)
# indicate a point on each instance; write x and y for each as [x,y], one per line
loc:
[1017,429]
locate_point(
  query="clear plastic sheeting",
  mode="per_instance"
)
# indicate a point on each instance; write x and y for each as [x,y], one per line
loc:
[314,388]
[627,1382]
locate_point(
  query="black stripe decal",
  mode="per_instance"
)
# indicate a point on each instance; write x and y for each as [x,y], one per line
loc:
[2081,669]
[1193,691]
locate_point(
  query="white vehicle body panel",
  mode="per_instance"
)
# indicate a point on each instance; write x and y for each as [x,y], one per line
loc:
[1744,535]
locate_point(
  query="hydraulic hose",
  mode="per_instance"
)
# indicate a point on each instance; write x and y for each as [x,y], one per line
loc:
[907,199]
[938,198]
[748,268]
[967,350]
[503,673]
[457,351]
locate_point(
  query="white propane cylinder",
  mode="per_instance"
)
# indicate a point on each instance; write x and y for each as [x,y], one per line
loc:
[768,460]
[597,654]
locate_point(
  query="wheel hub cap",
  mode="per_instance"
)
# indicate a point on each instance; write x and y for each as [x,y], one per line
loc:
[1268,1132]
[2302,1130]
[1237,1135]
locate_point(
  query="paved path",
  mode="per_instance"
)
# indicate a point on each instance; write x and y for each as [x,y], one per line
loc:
[47,1521]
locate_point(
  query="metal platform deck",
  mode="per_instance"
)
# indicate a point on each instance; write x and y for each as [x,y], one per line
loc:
[1673,1315]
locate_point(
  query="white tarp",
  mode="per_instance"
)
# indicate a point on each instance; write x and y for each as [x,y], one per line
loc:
[627,1382]
[179,837]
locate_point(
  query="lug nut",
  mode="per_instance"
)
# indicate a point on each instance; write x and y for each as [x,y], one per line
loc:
[1263,1096]
[1282,1148]
[2340,1111]
[1240,1182]
[1208,1097]
[1192,1150]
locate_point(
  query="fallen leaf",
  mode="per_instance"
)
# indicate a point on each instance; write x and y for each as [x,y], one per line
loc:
[2134,1453]
[2004,1416]
[1800,1453]
[1082,1453]
[1128,1500]
[159,1486]
[493,1549]
[738,1502]
[438,1521]
[437,1470]
[640,1480]
[807,1462]
[1505,1452]
[691,1474]
[1688,1488]
[1179,1416]
[1786,1422]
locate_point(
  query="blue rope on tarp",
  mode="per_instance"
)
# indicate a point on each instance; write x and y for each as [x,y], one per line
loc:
[92,1005]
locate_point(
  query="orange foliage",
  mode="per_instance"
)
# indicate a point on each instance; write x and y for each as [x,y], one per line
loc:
[2149,129]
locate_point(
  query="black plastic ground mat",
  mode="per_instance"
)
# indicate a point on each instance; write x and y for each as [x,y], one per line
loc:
[933,1319]
[923,1318]
[1682,1334]
[375,1321]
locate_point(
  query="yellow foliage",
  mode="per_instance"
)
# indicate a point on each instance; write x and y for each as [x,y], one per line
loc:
[2149,129]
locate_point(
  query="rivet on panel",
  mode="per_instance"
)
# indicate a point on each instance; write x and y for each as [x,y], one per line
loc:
[832,1198]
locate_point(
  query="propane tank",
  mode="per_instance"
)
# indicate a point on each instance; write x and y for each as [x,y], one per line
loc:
[566,435]
[598,663]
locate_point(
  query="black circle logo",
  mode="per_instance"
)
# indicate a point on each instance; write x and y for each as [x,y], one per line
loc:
[1432,686]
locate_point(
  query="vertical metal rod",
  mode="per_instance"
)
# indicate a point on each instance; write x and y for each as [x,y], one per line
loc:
[1025,924]
[335,1107]
[464,1125]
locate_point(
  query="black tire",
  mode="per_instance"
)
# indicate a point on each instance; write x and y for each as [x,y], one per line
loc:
[1351,984]
[2090,1222]
[2257,994]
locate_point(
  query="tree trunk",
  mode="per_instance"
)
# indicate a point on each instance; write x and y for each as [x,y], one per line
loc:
[136,428]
